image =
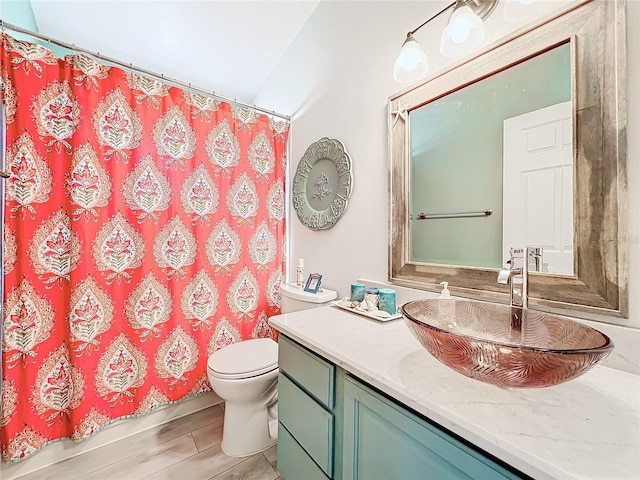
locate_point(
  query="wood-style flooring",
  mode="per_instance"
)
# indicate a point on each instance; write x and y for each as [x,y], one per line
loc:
[184,449]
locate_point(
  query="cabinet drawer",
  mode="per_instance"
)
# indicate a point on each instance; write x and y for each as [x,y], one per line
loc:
[309,423]
[316,375]
[293,461]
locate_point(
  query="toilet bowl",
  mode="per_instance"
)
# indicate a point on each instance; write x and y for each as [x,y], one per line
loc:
[245,376]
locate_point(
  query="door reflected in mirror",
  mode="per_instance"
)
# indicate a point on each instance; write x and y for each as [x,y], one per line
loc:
[492,168]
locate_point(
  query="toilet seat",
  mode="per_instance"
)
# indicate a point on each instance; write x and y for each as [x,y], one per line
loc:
[244,359]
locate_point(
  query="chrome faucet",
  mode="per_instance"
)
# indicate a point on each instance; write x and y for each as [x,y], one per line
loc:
[517,275]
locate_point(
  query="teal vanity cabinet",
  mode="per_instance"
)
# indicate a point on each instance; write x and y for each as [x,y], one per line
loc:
[331,425]
[306,423]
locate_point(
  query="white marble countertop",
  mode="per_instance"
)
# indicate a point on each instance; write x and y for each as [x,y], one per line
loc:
[586,428]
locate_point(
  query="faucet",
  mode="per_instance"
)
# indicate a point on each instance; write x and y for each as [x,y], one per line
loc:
[517,275]
[523,260]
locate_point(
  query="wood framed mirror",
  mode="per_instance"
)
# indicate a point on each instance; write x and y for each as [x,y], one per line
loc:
[594,31]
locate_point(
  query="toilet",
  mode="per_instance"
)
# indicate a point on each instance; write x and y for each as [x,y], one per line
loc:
[245,376]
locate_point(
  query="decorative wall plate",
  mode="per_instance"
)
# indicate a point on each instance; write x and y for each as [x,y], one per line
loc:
[322,184]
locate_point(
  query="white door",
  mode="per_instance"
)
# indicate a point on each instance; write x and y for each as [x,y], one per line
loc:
[537,185]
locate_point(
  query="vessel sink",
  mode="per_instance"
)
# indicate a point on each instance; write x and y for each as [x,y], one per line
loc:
[503,345]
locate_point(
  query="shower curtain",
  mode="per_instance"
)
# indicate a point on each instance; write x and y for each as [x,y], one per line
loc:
[144,229]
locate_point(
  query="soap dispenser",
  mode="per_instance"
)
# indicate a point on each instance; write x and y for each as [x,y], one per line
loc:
[445,290]
[447,307]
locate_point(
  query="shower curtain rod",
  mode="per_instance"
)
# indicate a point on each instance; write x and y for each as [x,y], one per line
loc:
[4,25]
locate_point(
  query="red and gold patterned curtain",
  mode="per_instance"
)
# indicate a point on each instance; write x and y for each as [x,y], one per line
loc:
[144,229]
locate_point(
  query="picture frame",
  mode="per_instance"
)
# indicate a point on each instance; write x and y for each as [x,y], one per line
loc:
[313,283]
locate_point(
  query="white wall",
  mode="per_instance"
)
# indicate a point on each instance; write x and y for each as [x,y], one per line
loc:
[336,79]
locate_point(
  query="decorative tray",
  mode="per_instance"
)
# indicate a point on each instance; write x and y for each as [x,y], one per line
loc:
[338,303]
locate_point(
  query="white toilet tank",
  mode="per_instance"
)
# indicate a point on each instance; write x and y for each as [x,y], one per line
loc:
[294,298]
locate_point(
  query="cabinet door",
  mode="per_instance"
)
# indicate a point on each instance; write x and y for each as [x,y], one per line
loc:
[385,441]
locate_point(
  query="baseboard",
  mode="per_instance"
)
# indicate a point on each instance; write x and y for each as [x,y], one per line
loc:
[64,449]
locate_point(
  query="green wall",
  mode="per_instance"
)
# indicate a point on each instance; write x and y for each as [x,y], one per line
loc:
[456,151]
[20,14]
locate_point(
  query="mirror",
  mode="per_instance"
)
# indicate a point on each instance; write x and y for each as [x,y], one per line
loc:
[593,284]
[456,165]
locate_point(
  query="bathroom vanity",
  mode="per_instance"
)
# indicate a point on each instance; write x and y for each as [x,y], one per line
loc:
[362,399]
[380,438]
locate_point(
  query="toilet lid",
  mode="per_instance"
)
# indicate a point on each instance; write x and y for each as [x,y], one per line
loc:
[245,359]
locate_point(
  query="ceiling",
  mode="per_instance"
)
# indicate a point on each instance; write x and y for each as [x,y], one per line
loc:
[229,47]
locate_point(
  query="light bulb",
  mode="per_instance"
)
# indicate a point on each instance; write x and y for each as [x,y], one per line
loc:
[460,34]
[411,63]
[463,34]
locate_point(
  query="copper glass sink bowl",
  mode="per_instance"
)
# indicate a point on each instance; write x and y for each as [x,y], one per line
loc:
[503,345]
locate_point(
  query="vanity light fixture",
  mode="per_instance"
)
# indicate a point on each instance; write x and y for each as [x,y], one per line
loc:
[464,32]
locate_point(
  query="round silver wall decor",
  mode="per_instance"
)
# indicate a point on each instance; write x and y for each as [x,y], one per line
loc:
[322,184]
